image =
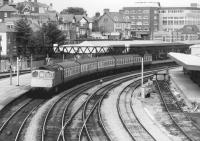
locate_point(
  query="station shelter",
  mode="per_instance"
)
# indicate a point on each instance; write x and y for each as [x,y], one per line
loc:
[190,63]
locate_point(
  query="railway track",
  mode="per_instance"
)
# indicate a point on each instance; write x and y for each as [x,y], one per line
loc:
[15,118]
[179,118]
[127,116]
[83,122]
[57,114]
[60,117]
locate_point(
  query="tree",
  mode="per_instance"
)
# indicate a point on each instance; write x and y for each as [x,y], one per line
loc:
[23,35]
[73,10]
[50,34]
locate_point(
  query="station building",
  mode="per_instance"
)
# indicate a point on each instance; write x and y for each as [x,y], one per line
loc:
[190,62]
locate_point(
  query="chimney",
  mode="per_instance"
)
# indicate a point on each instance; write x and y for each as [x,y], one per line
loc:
[121,11]
[35,1]
[97,14]
[5,2]
[106,10]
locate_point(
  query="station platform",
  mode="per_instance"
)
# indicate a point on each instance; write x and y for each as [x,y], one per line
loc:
[10,92]
[187,87]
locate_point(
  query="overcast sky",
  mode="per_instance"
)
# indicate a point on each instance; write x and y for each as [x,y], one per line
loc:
[92,6]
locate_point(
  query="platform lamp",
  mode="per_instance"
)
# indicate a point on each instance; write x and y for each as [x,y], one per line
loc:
[142,72]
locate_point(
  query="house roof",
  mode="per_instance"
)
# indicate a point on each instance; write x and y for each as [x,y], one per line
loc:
[117,17]
[8,8]
[67,18]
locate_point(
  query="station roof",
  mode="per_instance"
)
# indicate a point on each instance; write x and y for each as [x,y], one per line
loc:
[133,43]
[190,62]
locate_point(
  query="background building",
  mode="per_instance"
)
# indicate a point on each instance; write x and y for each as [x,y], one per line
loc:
[174,18]
[144,18]
[114,24]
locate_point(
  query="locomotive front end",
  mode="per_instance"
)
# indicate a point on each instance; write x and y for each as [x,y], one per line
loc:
[42,79]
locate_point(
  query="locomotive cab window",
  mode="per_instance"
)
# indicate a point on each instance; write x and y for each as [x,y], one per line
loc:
[35,74]
[41,74]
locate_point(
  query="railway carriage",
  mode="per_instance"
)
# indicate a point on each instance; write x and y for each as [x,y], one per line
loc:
[124,60]
[71,69]
[88,65]
[106,63]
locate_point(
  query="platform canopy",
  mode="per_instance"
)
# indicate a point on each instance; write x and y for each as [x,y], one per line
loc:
[190,62]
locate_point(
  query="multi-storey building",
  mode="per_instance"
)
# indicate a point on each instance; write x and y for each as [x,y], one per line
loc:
[174,18]
[144,18]
[114,22]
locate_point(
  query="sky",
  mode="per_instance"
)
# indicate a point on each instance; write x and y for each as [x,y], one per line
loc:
[93,6]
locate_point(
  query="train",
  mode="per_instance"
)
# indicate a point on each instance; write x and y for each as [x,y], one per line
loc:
[51,76]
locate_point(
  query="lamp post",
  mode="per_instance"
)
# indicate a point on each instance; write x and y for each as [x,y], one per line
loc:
[141,53]
[142,71]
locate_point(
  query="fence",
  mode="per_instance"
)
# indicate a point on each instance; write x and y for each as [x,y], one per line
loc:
[23,65]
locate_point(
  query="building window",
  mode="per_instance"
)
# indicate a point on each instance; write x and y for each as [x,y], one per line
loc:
[155,17]
[139,17]
[146,23]
[115,18]
[139,23]
[132,12]
[133,23]
[164,22]
[126,12]
[105,20]
[146,11]
[5,15]
[145,17]
[133,17]
[126,18]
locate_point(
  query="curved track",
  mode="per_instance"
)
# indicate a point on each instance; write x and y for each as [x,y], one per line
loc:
[127,116]
[179,118]
[14,118]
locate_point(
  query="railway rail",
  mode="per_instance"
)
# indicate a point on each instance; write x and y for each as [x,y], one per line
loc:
[52,123]
[127,116]
[60,116]
[15,118]
[179,118]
